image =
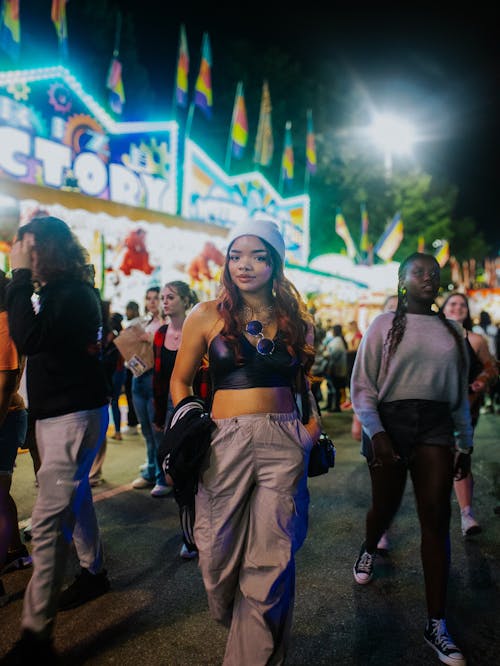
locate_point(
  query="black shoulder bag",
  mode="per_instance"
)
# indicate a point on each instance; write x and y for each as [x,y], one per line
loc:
[322,456]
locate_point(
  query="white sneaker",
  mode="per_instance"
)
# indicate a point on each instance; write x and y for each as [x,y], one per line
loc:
[470,526]
[383,542]
[160,491]
[141,483]
[132,430]
[187,554]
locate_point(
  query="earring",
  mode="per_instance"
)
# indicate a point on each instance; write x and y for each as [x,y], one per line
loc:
[404,291]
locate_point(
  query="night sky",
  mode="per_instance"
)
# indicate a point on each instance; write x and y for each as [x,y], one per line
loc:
[438,67]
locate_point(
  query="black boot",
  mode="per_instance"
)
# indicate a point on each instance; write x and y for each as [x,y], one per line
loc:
[31,648]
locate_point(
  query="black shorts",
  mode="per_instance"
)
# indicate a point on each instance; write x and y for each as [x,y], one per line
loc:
[412,422]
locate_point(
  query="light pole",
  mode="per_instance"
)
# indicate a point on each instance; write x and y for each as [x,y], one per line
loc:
[393,135]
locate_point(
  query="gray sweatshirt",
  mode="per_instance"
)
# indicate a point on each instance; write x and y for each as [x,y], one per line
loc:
[425,366]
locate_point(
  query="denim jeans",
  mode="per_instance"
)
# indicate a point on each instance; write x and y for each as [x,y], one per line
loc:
[142,394]
[118,383]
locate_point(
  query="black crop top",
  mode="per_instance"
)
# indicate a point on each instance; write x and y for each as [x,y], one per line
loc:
[255,370]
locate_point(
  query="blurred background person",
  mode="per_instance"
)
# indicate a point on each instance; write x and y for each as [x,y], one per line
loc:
[13,428]
[151,475]
[489,331]
[483,373]
[177,299]
[132,315]
[336,350]
[114,359]
[353,338]
[95,474]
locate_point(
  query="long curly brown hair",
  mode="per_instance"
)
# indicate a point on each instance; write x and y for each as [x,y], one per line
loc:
[396,332]
[59,252]
[291,312]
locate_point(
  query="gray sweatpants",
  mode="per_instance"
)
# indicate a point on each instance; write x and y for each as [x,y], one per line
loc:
[251,518]
[64,510]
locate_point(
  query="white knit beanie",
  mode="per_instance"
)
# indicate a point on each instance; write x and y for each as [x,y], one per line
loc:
[262,227]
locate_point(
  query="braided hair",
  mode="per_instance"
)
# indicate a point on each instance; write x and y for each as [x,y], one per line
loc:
[396,332]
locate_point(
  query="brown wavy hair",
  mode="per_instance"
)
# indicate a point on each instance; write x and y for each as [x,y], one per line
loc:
[396,332]
[290,309]
[59,252]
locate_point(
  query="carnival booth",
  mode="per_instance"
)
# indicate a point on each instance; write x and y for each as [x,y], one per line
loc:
[144,218]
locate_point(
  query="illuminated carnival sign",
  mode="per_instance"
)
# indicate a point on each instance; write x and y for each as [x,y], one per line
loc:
[53,133]
[210,195]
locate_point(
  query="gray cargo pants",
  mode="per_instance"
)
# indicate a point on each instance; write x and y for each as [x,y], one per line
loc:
[64,510]
[251,518]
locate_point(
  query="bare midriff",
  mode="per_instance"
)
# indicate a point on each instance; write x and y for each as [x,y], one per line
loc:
[228,402]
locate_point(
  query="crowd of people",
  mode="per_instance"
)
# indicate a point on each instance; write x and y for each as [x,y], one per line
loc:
[414,406]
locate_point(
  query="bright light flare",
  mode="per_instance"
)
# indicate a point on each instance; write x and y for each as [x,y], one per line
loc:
[392,134]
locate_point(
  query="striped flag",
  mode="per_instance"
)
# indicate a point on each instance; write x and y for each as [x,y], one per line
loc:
[390,240]
[421,244]
[311,160]
[58,15]
[364,243]
[239,124]
[342,230]
[264,145]
[181,92]
[115,85]
[443,253]
[287,162]
[203,87]
[10,28]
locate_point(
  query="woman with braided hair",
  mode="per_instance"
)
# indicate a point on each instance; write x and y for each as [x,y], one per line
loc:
[411,399]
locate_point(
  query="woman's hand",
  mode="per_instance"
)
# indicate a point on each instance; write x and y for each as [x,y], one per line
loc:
[478,386]
[313,427]
[383,451]
[21,252]
[461,468]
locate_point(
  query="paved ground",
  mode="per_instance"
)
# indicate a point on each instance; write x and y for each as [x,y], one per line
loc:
[156,612]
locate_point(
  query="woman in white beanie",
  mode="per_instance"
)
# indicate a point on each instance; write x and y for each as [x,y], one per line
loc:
[252,499]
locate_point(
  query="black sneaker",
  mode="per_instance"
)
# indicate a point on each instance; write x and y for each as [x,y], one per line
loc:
[85,587]
[17,559]
[437,636]
[363,568]
[30,648]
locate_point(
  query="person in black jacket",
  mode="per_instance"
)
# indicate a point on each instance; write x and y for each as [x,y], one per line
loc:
[68,398]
